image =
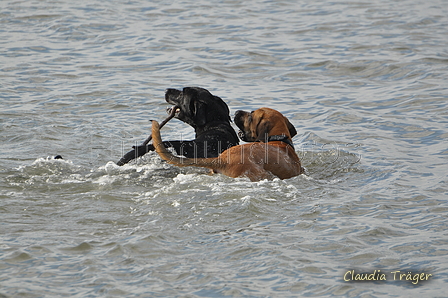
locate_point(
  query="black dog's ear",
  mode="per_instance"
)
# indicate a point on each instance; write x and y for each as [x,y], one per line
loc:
[223,108]
[291,128]
[199,113]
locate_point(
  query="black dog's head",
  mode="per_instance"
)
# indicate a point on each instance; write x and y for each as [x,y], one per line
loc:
[197,106]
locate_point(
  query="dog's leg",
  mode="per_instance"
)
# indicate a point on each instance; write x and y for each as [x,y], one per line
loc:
[135,153]
[145,148]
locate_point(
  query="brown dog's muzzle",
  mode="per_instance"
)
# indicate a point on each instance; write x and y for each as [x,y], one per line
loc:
[242,136]
[240,119]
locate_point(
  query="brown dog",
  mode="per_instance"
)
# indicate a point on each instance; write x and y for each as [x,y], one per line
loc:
[270,154]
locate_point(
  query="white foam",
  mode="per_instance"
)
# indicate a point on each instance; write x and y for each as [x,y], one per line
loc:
[105,180]
[185,178]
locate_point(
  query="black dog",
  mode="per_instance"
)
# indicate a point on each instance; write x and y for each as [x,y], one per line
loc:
[207,114]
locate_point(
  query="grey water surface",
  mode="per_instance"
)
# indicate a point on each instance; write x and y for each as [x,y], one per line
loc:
[364,82]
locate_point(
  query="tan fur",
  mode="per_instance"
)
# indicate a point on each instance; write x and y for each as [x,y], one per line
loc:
[255,160]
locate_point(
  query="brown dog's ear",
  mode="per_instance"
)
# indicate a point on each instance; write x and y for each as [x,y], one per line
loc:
[263,129]
[291,128]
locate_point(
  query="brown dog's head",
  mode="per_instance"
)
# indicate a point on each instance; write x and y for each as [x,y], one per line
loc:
[260,124]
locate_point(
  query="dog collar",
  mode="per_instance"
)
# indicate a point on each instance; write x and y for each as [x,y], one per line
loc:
[281,138]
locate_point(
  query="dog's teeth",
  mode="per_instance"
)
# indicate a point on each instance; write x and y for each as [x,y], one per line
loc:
[177,110]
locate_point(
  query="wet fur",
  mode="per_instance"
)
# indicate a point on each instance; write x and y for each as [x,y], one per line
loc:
[256,160]
[207,114]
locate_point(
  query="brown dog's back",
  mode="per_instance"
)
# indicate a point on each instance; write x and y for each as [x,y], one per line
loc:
[257,161]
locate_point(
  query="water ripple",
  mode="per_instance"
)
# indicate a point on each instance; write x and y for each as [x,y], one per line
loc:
[363,83]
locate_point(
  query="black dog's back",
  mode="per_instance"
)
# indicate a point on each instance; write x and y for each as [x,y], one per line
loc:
[207,114]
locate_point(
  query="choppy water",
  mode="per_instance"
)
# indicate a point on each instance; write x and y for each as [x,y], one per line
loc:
[364,82]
